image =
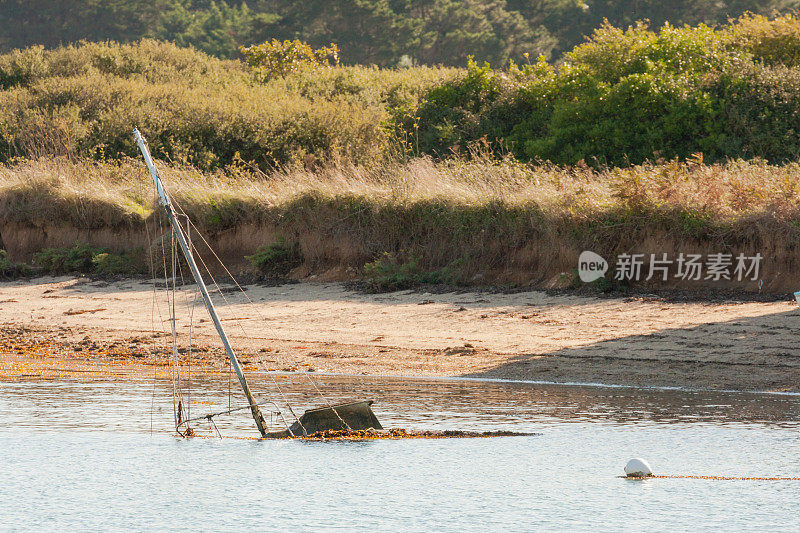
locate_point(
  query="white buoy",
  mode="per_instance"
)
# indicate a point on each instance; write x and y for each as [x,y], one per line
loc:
[638,468]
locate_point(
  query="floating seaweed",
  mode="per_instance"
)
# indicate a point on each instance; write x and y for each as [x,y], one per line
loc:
[399,433]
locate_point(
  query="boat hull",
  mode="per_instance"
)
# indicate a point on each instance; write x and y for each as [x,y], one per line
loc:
[356,416]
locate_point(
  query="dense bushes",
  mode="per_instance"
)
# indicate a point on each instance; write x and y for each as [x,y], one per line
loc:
[621,98]
[10,269]
[276,259]
[628,96]
[86,259]
[84,101]
[275,59]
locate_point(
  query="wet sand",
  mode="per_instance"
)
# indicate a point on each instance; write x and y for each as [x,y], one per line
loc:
[324,327]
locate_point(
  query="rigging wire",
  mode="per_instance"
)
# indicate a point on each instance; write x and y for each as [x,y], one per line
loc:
[151,263]
[173,319]
[171,305]
[176,367]
[177,393]
[166,284]
[244,333]
[156,307]
[176,376]
[249,337]
[222,294]
[190,309]
[239,287]
[191,328]
[189,359]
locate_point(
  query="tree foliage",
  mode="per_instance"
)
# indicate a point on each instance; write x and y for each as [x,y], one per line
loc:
[380,32]
[624,96]
[629,95]
[279,59]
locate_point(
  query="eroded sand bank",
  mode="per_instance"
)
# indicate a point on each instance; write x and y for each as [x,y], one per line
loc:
[324,327]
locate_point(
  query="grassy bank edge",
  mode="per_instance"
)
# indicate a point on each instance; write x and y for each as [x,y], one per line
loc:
[459,222]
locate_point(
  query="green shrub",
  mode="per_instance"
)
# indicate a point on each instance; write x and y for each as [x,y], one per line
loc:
[67,260]
[451,113]
[87,259]
[602,285]
[125,263]
[275,59]
[388,273]
[628,96]
[9,270]
[276,259]
[21,66]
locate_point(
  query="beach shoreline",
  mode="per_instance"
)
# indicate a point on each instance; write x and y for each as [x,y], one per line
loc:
[328,328]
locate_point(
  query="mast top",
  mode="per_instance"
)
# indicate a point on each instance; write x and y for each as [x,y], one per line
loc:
[162,194]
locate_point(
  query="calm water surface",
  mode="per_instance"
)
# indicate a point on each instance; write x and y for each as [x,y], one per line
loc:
[98,454]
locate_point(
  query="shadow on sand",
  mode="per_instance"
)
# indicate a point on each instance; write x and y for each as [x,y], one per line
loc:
[759,353]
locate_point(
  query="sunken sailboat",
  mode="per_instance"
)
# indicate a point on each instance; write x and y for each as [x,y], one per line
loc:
[354,416]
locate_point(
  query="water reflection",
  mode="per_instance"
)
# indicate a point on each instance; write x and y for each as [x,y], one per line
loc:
[77,456]
[135,403]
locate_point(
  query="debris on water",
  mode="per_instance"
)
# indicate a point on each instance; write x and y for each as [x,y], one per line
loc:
[399,433]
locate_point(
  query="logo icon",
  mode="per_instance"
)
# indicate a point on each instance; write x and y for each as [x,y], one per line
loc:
[591,266]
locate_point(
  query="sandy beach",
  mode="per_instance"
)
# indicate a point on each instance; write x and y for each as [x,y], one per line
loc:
[325,327]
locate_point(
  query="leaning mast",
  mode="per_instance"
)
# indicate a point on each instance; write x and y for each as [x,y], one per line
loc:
[187,252]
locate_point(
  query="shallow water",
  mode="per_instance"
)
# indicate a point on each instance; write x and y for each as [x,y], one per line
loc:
[98,454]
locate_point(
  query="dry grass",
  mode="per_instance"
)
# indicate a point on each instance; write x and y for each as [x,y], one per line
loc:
[492,221]
[94,194]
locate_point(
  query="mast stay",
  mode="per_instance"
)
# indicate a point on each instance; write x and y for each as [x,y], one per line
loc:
[187,252]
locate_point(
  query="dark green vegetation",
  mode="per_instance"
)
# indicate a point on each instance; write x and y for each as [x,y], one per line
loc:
[628,96]
[390,272]
[276,259]
[10,269]
[623,97]
[76,259]
[87,259]
[381,32]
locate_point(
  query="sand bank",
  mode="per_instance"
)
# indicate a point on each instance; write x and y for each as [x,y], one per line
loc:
[324,327]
